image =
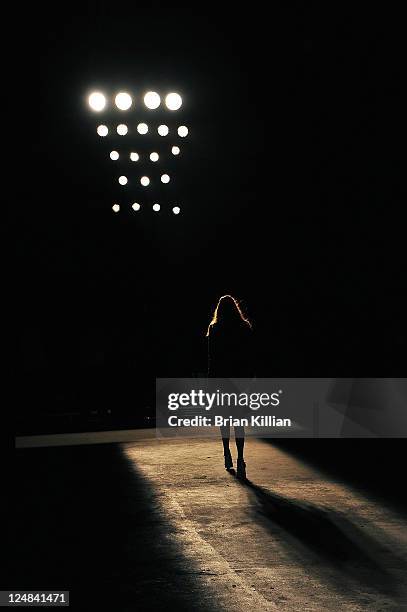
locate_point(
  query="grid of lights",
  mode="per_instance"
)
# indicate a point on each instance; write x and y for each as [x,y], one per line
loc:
[122,102]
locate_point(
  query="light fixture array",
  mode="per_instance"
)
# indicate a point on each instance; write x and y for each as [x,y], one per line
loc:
[123,101]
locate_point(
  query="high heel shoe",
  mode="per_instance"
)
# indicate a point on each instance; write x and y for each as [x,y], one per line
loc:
[241,469]
[228,461]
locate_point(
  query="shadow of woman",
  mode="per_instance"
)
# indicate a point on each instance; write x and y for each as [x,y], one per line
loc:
[329,535]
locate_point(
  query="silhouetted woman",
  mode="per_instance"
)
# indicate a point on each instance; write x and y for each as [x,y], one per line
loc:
[230,355]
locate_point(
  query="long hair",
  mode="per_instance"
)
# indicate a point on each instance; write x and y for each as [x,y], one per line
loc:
[236,307]
[230,303]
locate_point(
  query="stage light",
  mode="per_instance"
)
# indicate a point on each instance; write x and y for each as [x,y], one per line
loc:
[176,210]
[173,101]
[154,157]
[134,156]
[152,100]
[156,207]
[175,150]
[122,129]
[163,130]
[97,101]
[123,101]
[136,206]
[182,131]
[115,208]
[114,155]
[165,178]
[142,128]
[102,130]
[145,181]
[123,180]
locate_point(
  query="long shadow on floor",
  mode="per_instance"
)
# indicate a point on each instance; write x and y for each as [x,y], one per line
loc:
[334,541]
[86,522]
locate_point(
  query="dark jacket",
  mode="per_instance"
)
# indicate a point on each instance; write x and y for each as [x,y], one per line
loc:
[231,350]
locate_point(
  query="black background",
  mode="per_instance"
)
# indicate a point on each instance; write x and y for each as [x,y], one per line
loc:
[290,184]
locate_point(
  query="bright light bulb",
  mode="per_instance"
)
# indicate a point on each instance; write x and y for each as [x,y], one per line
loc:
[122,129]
[123,180]
[123,101]
[156,207]
[152,100]
[116,208]
[102,130]
[97,101]
[165,178]
[142,128]
[136,206]
[154,157]
[175,150]
[176,210]
[114,155]
[163,130]
[182,131]
[134,156]
[173,101]
[145,181]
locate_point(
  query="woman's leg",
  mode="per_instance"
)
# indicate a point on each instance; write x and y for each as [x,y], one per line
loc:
[241,466]
[239,439]
[225,433]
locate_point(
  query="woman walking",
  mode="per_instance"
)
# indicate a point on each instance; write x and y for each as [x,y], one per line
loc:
[230,355]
